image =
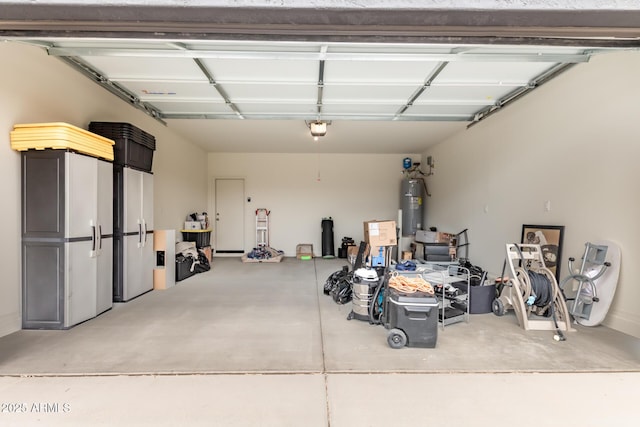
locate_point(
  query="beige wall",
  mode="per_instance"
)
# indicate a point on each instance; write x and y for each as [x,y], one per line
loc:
[573,142]
[37,88]
[302,189]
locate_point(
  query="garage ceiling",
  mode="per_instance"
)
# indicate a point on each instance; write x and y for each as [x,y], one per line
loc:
[249,79]
[191,80]
[314,81]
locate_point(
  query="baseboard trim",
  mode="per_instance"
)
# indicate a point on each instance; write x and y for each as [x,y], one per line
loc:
[628,323]
[9,323]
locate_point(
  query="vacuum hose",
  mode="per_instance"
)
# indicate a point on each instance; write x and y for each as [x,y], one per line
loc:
[375,315]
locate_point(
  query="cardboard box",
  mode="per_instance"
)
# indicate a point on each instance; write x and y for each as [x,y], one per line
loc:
[418,250]
[352,251]
[380,233]
[165,252]
[304,250]
[424,236]
[352,254]
[407,255]
[192,225]
[377,256]
[208,252]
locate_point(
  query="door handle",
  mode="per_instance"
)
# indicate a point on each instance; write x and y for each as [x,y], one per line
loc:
[92,252]
[145,232]
[100,236]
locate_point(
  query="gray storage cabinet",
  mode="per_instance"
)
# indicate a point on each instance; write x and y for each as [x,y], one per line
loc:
[134,258]
[67,238]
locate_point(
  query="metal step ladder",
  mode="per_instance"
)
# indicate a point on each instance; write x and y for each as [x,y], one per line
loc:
[262,228]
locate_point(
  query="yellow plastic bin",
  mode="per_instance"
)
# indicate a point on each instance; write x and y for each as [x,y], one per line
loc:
[61,136]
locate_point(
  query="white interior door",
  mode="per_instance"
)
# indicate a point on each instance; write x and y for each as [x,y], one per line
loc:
[229,218]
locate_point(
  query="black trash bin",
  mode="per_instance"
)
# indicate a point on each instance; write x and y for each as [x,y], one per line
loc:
[481,298]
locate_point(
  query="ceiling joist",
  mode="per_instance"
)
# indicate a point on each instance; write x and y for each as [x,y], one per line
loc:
[318,56]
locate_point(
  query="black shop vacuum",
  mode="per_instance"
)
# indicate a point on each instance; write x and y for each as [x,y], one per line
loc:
[366,285]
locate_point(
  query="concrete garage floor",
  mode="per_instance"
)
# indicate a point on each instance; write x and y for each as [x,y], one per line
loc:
[260,344]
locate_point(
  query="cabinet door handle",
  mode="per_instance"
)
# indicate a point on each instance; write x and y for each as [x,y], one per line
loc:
[139,233]
[100,236]
[93,237]
[145,232]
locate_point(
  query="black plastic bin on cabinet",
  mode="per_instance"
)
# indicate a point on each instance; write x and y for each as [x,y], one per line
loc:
[133,146]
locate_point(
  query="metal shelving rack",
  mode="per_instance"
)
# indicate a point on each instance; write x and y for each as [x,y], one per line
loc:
[459,278]
[447,274]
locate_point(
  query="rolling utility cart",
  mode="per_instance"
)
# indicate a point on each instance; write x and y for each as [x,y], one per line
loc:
[453,295]
[451,283]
